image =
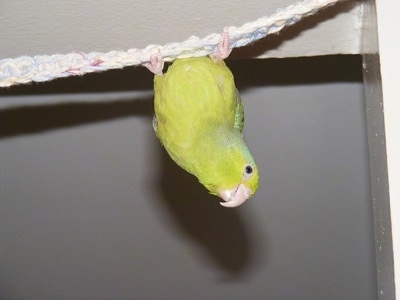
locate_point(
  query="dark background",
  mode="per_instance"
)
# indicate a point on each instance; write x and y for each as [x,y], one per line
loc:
[91,207]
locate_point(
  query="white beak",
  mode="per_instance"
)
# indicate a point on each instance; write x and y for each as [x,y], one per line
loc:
[236,196]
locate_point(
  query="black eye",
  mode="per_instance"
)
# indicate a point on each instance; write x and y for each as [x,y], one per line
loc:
[249,170]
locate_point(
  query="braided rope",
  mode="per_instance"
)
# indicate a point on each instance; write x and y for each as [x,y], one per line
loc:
[26,69]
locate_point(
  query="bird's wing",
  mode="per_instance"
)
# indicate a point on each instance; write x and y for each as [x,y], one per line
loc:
[239,113]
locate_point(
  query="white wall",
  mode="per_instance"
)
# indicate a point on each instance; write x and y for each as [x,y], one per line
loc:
[389,47]
[56,26]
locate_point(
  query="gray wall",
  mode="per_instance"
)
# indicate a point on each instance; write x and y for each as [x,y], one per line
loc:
[92,207]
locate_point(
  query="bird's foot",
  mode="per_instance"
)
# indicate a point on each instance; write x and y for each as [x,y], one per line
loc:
[223,48]
[155,64]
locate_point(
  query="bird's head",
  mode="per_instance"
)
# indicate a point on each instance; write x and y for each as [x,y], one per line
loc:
[243,189]
[233,175]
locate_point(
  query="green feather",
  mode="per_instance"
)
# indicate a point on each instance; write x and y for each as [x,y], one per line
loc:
[199,120]
[239,113]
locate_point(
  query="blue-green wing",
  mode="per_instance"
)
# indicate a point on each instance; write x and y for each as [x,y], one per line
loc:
[239,113]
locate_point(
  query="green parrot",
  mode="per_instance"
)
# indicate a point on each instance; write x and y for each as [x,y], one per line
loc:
[199,120]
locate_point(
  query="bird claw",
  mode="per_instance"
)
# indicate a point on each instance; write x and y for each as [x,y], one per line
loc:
[155,64]
[223,48]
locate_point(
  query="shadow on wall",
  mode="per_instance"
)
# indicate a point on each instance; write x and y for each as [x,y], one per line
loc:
[20,119]
[34,119]
[220,232]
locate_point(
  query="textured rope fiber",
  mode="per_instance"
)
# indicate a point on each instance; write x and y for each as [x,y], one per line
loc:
[40,68]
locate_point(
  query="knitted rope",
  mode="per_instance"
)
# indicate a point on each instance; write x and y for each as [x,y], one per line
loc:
[25,69]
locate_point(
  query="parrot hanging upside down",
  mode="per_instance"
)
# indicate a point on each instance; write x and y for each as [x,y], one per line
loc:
[199,120]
